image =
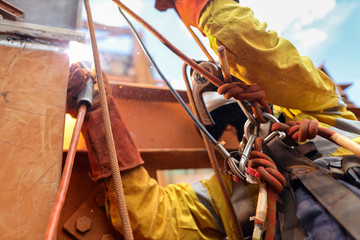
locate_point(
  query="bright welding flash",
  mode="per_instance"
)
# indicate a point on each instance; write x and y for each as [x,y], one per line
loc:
[79,52]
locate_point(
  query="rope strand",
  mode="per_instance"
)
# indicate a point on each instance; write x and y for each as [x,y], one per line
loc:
[124,215]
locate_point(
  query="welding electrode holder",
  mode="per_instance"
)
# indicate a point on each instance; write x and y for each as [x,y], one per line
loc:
[84,102]
[86,94]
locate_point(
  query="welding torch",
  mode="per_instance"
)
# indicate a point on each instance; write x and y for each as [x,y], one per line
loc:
[84,102]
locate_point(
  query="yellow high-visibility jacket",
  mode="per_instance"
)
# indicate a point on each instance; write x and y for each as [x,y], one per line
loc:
[291,82]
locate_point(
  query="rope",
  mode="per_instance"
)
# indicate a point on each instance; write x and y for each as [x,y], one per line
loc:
[266,169]
[269,174]
[298,131]
[301,131]
[192,63]
[124,215]
[234,221]
[197,40]
[252,93]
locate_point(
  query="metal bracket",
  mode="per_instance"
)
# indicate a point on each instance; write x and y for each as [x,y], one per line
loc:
[9,11]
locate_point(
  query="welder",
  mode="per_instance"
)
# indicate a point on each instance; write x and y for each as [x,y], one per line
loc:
[198,211]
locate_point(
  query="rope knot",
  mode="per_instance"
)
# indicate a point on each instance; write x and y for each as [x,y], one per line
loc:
[243,92]
[267,169]
[262,164]
[299,131]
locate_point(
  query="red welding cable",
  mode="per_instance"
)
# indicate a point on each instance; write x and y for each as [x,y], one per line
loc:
[66,175]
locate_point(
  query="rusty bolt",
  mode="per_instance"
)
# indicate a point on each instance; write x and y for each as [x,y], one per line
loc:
[83,224]
[107,237]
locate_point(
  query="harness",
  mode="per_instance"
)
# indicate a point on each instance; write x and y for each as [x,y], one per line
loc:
[338,200]
[290,162]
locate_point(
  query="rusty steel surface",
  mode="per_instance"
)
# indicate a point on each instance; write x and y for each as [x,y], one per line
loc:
[167,139]
[9,11]
[89,221]
[86,198]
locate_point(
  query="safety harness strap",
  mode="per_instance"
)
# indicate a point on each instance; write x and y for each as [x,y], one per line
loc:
[244,208]
[290,226]
[340,202]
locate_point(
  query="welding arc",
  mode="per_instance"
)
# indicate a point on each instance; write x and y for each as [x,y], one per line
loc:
[174,92]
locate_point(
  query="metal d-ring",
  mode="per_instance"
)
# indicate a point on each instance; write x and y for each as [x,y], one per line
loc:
[273,119]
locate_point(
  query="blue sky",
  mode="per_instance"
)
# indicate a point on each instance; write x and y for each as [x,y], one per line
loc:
[328,31]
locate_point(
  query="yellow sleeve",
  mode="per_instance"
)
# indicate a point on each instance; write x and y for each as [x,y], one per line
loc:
[257,55]
[172,212]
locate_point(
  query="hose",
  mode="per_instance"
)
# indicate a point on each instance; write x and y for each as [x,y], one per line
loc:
[66,176]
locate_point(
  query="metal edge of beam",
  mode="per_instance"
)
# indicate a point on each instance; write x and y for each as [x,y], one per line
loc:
[40,33]
[19,43]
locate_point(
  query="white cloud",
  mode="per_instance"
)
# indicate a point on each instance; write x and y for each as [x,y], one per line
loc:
[281,14]
[292,18]
[309,38]
[106,12]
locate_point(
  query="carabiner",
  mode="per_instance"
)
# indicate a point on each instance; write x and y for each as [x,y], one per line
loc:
[245,154]
[248,114]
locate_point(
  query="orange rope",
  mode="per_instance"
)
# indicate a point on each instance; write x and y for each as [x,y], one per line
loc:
[269,174]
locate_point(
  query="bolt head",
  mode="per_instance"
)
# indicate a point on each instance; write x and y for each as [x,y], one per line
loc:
[83,224]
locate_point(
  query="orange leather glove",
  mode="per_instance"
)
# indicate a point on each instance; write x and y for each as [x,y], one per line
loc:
[93,128]
[188,10]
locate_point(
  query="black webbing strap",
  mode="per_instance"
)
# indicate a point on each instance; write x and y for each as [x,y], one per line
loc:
[290,226]
[339,201]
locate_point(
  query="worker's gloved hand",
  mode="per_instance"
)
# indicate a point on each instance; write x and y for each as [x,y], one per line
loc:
[188,10]
[244,92]
[93,128]
[163,5]
[299,131]
[77,79]
[79,75]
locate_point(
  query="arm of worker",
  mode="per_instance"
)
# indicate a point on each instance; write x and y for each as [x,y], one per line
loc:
[179,211]
[259,56]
